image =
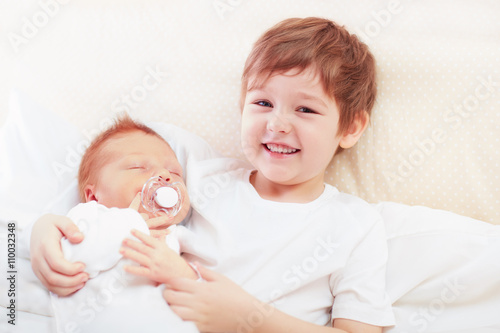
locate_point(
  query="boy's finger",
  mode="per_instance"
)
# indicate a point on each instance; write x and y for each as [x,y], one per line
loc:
[181,285]
[207,274]
[177,297]
[185,313]
[69,229]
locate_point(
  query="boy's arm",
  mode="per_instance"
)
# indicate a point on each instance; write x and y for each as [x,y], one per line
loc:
[158,261]
[56,273]
[220,305]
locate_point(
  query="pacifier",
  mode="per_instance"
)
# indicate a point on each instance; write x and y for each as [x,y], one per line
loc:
[159,196]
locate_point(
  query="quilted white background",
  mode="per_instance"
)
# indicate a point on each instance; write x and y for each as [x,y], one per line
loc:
[434,138]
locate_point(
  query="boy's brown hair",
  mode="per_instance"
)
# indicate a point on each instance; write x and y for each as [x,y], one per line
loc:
[345,64]
[94,159]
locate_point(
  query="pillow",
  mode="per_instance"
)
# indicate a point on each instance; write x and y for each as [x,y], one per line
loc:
[39,162]
[40,156]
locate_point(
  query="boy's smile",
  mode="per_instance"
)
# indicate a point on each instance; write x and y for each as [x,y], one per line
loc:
[289,134]
[280,149]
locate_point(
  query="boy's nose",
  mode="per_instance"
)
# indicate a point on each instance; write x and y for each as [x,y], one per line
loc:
[278,123]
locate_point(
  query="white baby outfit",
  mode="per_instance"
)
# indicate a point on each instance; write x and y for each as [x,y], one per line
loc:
[113,300]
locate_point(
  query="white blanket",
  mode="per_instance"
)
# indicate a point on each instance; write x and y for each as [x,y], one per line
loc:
[443,272]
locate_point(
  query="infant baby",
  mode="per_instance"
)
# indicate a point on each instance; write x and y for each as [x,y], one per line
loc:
[129,178]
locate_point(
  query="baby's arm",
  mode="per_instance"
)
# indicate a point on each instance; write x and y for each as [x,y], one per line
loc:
[158,262]
[220,305]
[56,273]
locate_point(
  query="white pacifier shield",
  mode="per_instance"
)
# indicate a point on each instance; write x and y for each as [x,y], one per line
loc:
[166,197]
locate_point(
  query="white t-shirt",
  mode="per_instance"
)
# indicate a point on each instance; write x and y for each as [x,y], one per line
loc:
[112,300]
[315,261]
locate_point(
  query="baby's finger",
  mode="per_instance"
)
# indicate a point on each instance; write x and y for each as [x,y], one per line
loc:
[162,221]
[137,246]
[53,280]
[137,270]
[159,234]
[136,202]
[59,264]
[146,239]
[139,258]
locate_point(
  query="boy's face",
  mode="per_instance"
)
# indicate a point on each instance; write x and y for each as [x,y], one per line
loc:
[132,159]
[289,129]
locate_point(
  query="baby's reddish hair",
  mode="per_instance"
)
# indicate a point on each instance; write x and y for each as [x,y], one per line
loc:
[93,159]
[345,64]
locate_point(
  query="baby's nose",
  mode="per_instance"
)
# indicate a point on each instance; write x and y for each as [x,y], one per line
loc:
[165,174]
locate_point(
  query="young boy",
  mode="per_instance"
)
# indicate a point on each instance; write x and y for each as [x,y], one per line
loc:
[319,255]
[282,234]
[112,173]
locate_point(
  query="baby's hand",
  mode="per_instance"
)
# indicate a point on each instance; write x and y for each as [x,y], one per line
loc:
[157,225]
[158,262]
[136,205]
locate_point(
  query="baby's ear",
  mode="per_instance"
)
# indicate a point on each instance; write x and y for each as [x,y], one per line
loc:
[352,135]
[89,192]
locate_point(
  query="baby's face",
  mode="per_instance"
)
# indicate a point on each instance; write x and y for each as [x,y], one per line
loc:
[131,160]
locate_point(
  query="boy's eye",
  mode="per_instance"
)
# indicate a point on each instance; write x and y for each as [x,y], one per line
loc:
[264,104]
[305,110]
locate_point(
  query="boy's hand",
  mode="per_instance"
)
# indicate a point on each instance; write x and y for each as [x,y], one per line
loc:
[158,262]
[56,273]
[216,305]
[157,225]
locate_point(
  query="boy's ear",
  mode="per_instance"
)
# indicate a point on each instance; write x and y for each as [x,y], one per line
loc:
[352,135]
[90,194]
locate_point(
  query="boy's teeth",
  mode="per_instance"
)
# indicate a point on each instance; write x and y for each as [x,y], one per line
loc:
[280,149]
